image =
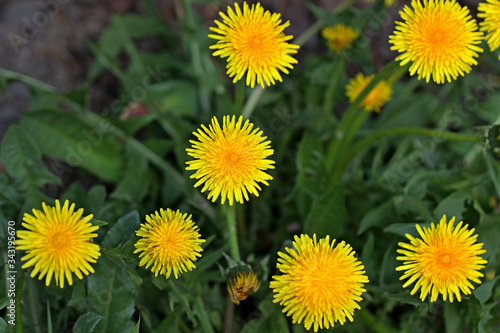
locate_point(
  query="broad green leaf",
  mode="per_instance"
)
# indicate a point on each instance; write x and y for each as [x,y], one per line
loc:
[78,296]
[489,109]
[310,172]
[4,302]
[136,327]
[175,96]
[111,294]
[378,216]
[406,228]
[452,317]
[406,298]
[405,112]
[484,291]
[494,172]
[86,323]
[118,261]
[328,214]
[3,326]
[387,270]
[95,199]
[122,230]
[23,159]
[203,264]
[133,184]
[452,205]
[63,136]
[493,140]
[200,309]
[278,320]
[98,223]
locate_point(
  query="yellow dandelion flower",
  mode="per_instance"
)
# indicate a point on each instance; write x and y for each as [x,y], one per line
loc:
[379,95]
[339,37]
[58,242]
[443,261]
[490,12]
[439,39]
[230,160]
[254,42]
[320,284]
[170,242]
[241,285]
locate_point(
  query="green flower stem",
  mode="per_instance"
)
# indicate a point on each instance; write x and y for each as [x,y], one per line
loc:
[309,32]
[19,295]
[233,237]
[376,136]
[252,101]
[330,89]
[301,40]
[95,120]
[239,96]
[346,131]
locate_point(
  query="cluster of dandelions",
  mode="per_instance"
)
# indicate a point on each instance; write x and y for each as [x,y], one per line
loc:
[320,284]
[59,242]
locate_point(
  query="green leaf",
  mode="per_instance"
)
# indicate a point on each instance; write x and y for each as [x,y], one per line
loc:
[122,230]
[78,296]
[86,323]
[406,298]
[200,309]
[310,172]
[98,223]
[493,136]
[63,136]
[203,264]
[4,302]
[278,320]
[452,318]
[494,172]
[23,159]
[453,205]
[328,214]
[175,96]
[378,216]
[485,290]
[136,327]
[133,184]
[118,260]
[489,109]
[95,199]
[111,294]
[406,228]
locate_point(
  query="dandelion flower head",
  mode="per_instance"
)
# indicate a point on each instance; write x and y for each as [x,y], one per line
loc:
[230,161]
[438,38]
[169,240]
[442,261]
[58,243]
[254,43]
[321,284]
[490,12]
[377,97]
[241,285]
[339,36]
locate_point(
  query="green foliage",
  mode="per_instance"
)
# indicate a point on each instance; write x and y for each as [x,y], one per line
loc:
[361,177]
